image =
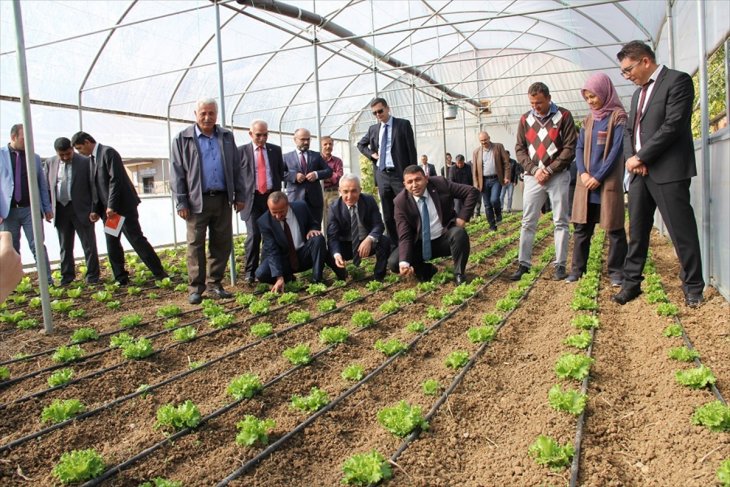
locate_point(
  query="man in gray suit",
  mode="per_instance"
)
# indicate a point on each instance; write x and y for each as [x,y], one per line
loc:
[304,170]
[206,180]
[660,159]
[69,181]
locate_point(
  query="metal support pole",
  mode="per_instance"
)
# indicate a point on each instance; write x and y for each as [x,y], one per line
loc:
[375,58]
[670,33]
[463,128]
[705,141]
[316,85]
[413,107]
[35,197]
[172,196]
[222,110]
[443,127]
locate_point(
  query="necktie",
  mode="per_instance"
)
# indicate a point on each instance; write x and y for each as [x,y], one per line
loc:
[63,194]
[303,162]
[17,194]
[261,171]
[425,230]
[293,260]
[382,150]
[640,107]
[355,235]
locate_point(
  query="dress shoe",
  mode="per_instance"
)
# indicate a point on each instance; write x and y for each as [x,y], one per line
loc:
[92,280]
[493,228]
[693,300]
[195,298]
[219,293]
[379,277]
[66,282]
[163,275]
[123,281]
[573,278]
[427,272]
[340,273]
[250,280]
[625,295]
[460,279]
[521,270]
[617,281]
[559,273]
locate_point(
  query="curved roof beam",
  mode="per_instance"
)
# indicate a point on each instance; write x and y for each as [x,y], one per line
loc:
[636,22]
[334,29]
[604,29]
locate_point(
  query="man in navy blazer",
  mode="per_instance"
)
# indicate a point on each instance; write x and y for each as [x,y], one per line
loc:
[72,205]
[660,159]
[431,198]
[263,164]
[292,242]
[389,159]
[304,170]
[113,193]
[344,244]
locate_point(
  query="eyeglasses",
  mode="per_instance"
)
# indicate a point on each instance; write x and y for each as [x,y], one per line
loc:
[265,134]
[379,111]
[627,70]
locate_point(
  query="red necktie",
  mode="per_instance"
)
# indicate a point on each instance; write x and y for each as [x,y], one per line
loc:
[261,170]
[640,109]
[304,163]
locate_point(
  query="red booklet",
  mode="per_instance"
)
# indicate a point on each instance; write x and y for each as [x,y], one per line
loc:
[113,225]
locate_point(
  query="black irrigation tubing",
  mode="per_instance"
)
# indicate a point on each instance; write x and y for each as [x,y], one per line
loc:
[462,373]
[580,425]
[119,467]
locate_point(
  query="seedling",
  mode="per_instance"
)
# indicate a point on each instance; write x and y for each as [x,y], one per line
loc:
[161,482]
[78,466]
[390,347]
[353,372]
[259,307]
[129,321]
[333,334]
[27,324]
[723,473]
[221,320]
[585,322]
[326,305]
[402,418]
[431,387]
[573,366]
[363,319]
[298,355]
[491,319]
[168,311]
[245,299]
[672,331]
[683,354]
[65,354]
[351,295]
[434,313]
[374,286]
[244,386]
[185,415]
[316,289]
[405,296]
[185,334]
[60,377]
[547,451]
[211,308]
[4,373]
[366,469]
[714,415]
[287,298]
[570,401]
[316,400]
[481,334]
[581,340]
[457,359]
[137,350]
[84,335]
[171,323]
[114,305]
[262,329]
[696,378]
[251,429]
[667,309]
[415,326]
[120,339]
[61,410]
[76,313]
[583,303]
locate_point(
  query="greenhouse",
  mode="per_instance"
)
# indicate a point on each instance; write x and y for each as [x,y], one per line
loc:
[138,372]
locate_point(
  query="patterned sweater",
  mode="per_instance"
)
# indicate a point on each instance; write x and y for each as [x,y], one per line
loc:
[548,143]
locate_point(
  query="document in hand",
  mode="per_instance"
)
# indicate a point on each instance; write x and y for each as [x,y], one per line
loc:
[113,225]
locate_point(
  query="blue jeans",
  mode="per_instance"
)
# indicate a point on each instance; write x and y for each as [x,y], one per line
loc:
[507,190]
[21,217]
[490,194]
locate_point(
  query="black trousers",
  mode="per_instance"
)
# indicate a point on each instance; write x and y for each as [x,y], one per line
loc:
[389,185]
[381,251]
[215,220]
[312,255]
[133,232]
[673,201]
[67,224]
[453,242]
[617,246]
[252,244]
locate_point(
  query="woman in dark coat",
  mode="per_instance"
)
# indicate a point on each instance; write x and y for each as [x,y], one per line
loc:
[599,195]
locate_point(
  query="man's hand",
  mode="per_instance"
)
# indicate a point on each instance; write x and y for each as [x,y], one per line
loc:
[110,213]
[460,222]
[406,270]
[542,176]
[183,213]
[506,181]
[93,217]
[278,285]
[48,215]
[313,233]
[375,156]
[311,177]
[239,206]
[301,177]
[339,261]
[632,164]
[365,247]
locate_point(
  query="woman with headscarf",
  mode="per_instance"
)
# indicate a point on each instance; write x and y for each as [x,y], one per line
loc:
[599,194]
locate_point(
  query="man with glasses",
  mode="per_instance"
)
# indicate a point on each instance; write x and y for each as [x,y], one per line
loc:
[660,160]
[263,164]
[391,146]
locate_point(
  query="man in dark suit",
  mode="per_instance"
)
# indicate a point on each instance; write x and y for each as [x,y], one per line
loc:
[461,173]
[305,168]
[263,164]
[660,159]
[427,168]
[206,180]
[355,227]
[431,200]
[69,181]
[391,146]
[112,194]
[292,242]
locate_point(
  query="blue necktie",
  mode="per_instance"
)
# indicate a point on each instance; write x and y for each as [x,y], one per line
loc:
[425,230]
[383,148]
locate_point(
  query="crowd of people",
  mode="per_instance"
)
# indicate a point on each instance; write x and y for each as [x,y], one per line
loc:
[305,213]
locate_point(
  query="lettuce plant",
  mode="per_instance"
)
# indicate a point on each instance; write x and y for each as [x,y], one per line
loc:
[298,355]
[547,451]
[696,378]
[714,415]
[353,372]
[402,418]
[78,466]
[61,410]
[60,377]
[185,415]
[457,359]
[315,401]
[573,366]
[389,347]
[366,469]
[570,401]
[333,334]
[252,430]
[262,329]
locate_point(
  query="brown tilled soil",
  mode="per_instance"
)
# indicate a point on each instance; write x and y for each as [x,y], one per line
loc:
[637,432]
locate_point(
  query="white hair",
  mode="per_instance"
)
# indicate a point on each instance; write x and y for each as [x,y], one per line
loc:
[206,101]
[257,121]
[350,177]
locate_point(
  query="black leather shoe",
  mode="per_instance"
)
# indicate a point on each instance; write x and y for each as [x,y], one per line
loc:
[379,277]
[572,278]
[250,280]
[66,282]
[123,281]
[195,298]
[459,279]
[625,295]
[521,270]
[219,293]
[159,277]
[92,280]
[340,273]
[560,273]
[693,300]
[493,228]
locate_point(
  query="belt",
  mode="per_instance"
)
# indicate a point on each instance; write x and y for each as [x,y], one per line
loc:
[388,170]
[494,176]
[330,189]
[14,204]
[263,194]
[213,193]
